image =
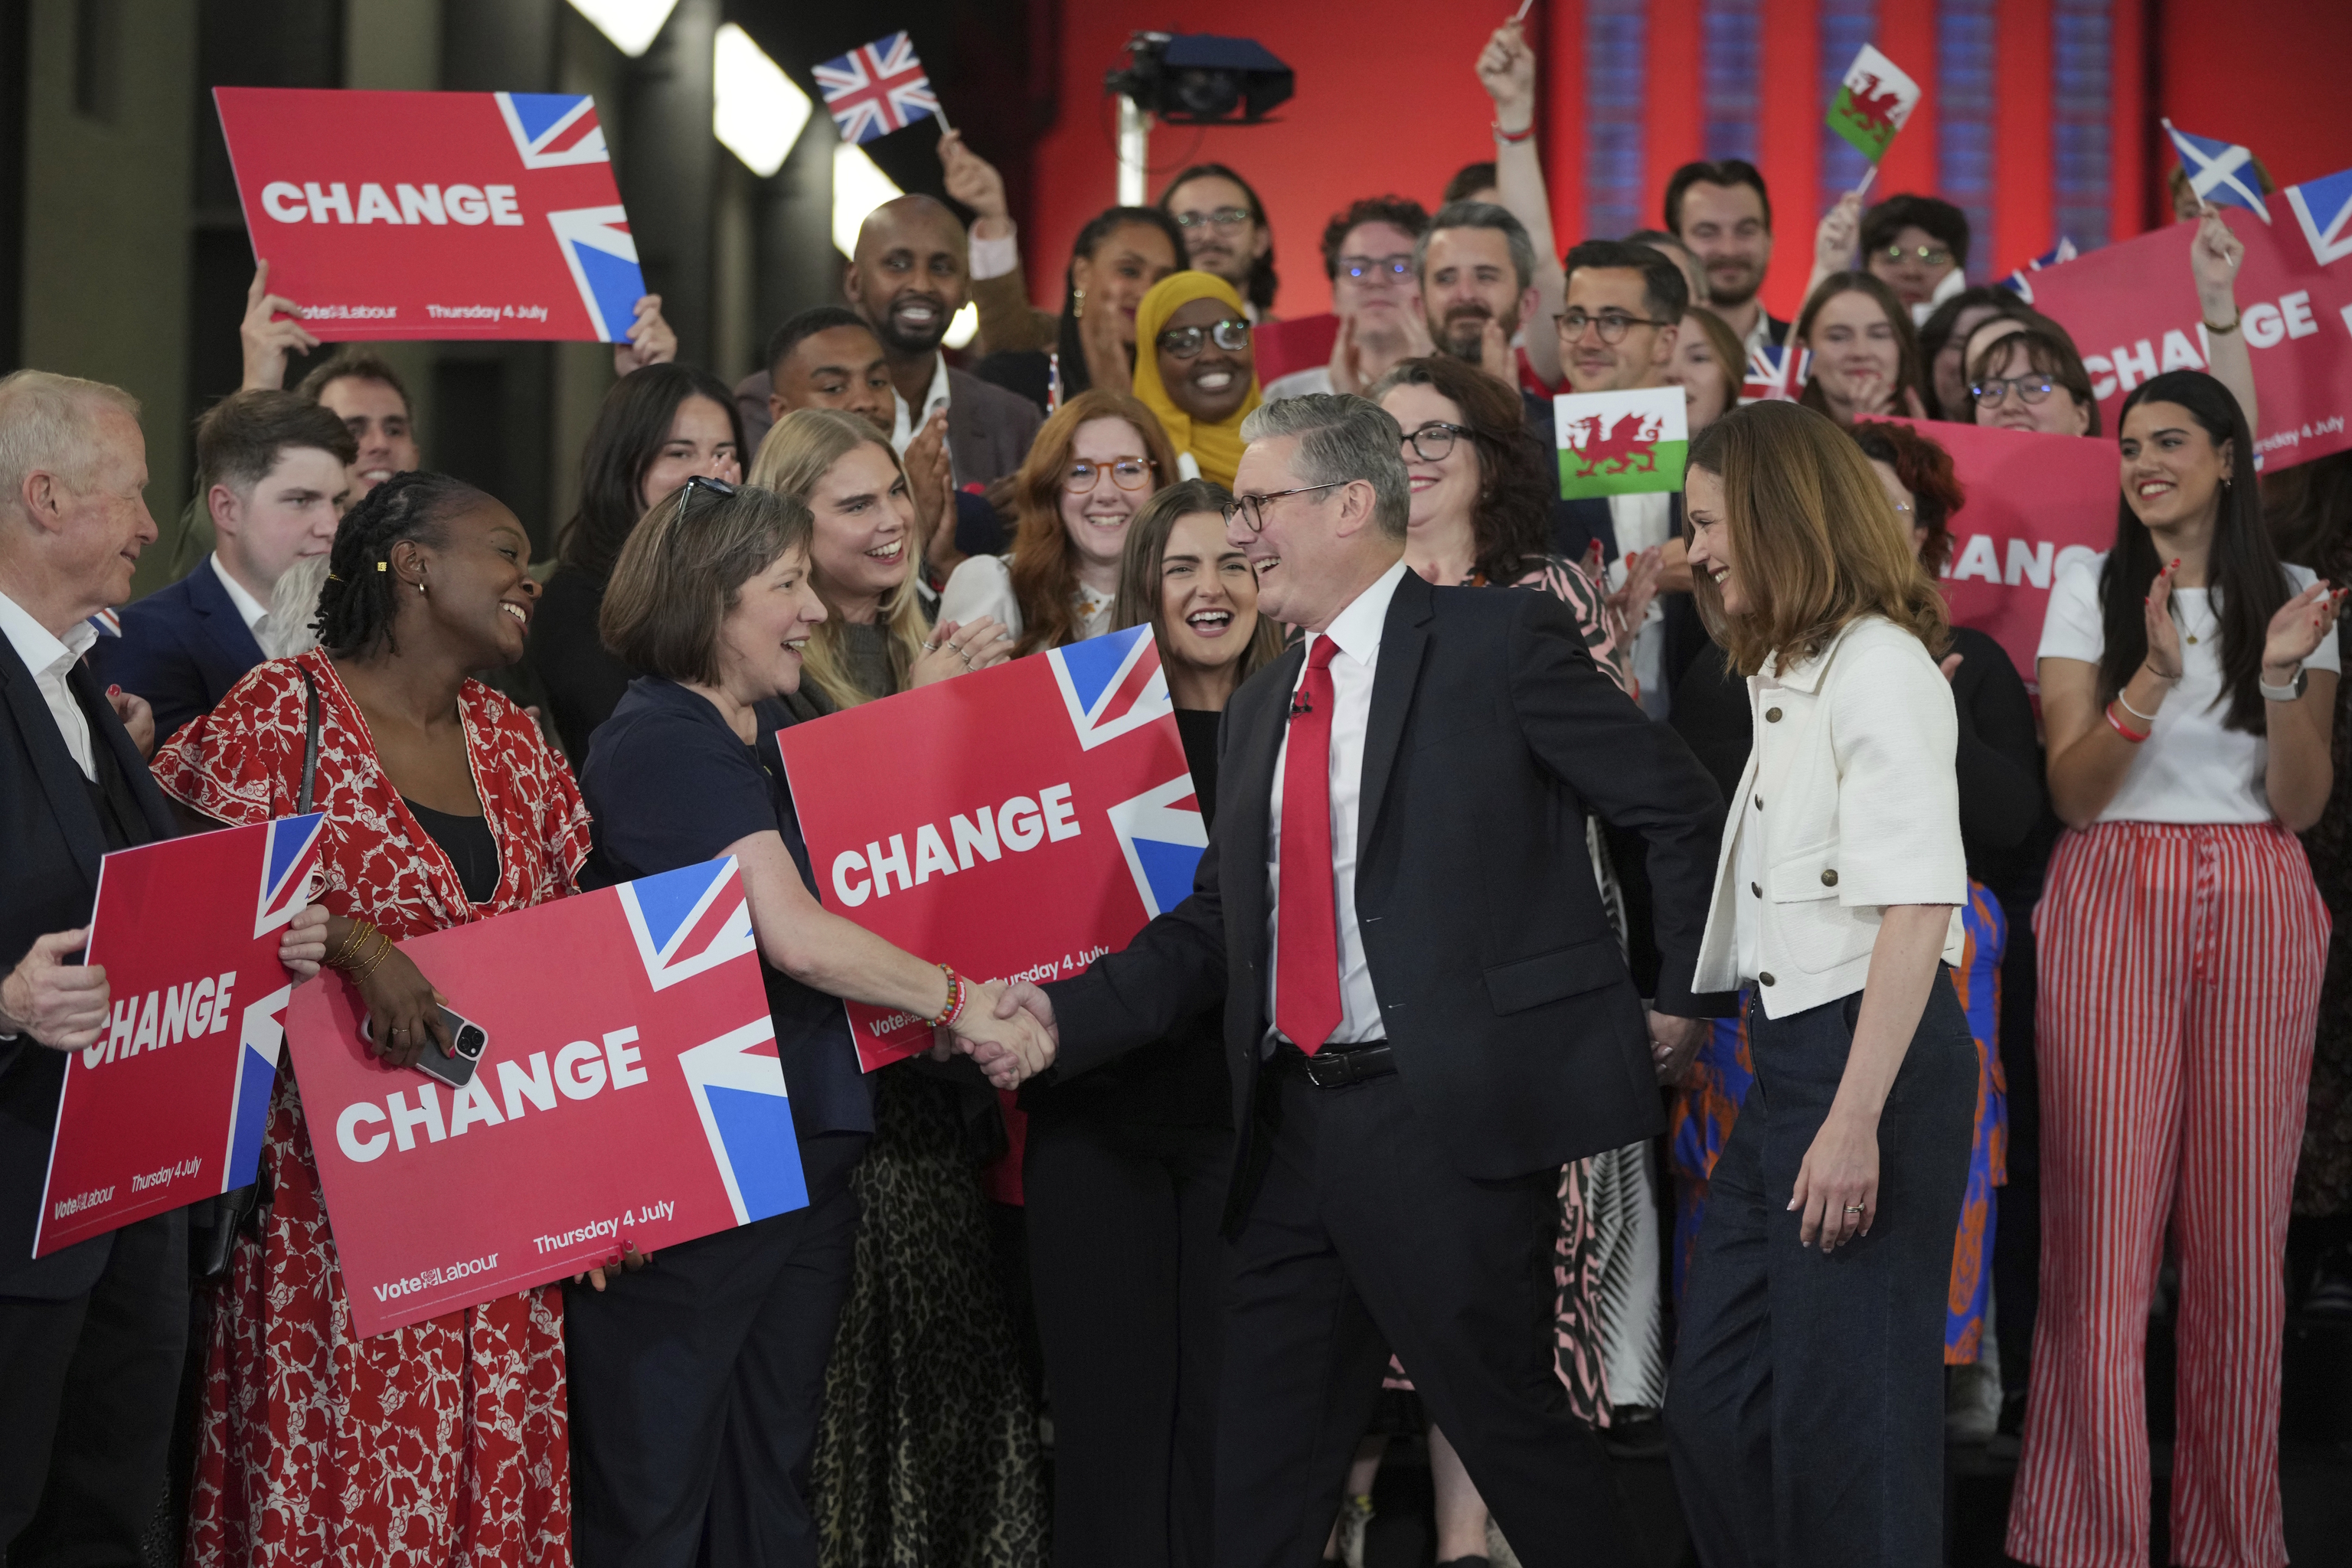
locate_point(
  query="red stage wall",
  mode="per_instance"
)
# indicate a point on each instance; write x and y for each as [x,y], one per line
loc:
[1387,100]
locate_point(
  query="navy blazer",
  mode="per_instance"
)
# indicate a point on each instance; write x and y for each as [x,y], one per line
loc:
[50,845]
[182,647]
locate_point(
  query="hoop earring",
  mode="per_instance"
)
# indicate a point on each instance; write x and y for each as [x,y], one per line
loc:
[1077,304]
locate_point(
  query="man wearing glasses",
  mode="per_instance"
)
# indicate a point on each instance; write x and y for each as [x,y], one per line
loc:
[1624,315]
[1420,1031]
[1367,256]
[1226,232]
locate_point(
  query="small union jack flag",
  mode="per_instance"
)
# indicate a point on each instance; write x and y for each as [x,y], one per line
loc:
[2020,285]
[876,88]
[1777,372]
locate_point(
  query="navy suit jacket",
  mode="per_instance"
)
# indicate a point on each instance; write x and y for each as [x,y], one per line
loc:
[182,647]
[50,844]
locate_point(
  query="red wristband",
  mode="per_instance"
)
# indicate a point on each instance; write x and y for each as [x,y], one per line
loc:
[2133,736]
[1514,137]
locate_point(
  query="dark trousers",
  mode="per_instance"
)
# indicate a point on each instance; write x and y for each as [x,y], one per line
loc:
[1128,1272]
[1805,1416]
[695,1382]
[1364,1237]
[88,1387]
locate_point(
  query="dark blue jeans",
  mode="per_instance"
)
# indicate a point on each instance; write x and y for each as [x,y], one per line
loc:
[1806,1411]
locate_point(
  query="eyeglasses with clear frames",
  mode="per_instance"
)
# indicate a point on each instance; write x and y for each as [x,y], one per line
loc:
[1223,217]
[1251,510]
[1127,473]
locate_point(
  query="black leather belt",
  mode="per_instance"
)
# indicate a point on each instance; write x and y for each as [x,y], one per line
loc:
[1336,1067]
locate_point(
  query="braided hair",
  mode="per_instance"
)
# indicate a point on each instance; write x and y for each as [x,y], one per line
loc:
[357,607]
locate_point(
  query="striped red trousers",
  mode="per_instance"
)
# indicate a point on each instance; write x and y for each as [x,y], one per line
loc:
[2180,993]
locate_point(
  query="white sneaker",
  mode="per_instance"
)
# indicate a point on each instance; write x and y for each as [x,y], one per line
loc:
[1971,1402]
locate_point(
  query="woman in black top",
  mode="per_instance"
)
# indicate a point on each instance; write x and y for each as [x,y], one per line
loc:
[657,427]
[1125,1166]
[696,1382]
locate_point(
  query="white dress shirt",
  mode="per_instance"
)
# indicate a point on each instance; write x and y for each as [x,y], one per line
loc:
[905,423]
[1357,630]
[250,610]
[51,662]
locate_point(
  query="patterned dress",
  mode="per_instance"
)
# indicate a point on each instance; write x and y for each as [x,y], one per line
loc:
[443,1445]
[1704,1113]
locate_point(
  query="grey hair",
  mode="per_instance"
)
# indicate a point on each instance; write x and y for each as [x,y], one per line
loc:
[294,607]
[45,427]
[1480,214]
[1341,437]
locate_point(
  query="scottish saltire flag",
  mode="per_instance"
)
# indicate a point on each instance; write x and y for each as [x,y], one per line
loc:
[1873,103]
[2018,284]
[876,88]
[1620,443]
[1777,370]
[2218,172]
[2324,207]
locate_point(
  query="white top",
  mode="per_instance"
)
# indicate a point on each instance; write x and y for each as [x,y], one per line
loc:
[1307,383]
[904,424]
[250,610]
[51,661]
[1357,629]
[1642,522]
[1850,802]
[2189,769]
[982,586]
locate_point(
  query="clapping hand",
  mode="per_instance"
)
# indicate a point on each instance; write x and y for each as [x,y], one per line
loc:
[271,329]
[2163,637]
[2296,632]
[1008,1031]
[650,339]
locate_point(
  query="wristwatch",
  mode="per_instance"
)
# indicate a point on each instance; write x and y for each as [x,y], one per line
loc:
[2287,693]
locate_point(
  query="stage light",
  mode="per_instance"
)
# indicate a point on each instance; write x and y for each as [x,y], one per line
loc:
[859,187]
[1200,78]
[756,111]
[632,25]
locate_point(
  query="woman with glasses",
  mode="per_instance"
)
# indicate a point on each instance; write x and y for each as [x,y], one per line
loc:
[1865,355]
[2033,380]
[1195,372]
[1097,459]
[1918,247]
[1944,344]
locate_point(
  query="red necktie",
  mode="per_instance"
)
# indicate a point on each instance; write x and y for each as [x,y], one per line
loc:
[1307,959]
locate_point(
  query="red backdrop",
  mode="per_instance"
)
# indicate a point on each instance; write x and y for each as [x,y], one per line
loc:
[1387,100]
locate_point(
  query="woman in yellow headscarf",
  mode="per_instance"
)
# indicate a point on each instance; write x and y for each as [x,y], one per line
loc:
[1194,368]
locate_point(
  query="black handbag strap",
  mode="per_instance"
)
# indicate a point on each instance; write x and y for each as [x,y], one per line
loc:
[310,744]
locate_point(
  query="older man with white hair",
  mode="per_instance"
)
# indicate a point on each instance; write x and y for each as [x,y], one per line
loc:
[92,1337]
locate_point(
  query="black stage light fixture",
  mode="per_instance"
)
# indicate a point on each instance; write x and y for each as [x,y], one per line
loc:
[1200,78]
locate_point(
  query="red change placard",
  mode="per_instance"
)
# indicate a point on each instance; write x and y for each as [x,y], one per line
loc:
[2035,502]
[629,1092]
[1018,821]
[168,1106]
[2132,310]
[435,215]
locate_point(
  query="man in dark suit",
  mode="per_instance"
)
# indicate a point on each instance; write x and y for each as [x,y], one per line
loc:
[908,279]
[272,471]
[1425,1011]
[90,1338]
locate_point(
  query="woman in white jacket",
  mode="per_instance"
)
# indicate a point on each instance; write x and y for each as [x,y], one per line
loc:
[1806,1408]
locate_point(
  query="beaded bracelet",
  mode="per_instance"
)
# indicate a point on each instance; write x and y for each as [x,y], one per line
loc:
[2120,728]
[954,1008]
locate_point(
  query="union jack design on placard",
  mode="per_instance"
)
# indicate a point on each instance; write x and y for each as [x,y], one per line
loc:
[1775,371]
[286,868]
[1162,836]
[1111,684]
[551,130]
[261,1037]
[876,88]
[2324,207]
[738,1084]
[603,258]
[688,921]
[2020,285]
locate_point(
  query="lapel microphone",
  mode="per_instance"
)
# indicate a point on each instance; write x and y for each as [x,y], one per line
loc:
[1299,704]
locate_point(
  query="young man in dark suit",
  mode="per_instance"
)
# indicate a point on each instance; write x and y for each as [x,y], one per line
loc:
[273,473]
[1426,1014]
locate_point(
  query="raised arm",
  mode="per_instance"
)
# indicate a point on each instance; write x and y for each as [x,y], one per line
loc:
[2213,260]
[1506,69]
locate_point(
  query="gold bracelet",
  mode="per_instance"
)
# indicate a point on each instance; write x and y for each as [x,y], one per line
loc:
[2222,332]
[383,946]
[351,944]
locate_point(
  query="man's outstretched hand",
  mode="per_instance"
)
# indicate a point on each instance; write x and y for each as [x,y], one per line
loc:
[1008,1031]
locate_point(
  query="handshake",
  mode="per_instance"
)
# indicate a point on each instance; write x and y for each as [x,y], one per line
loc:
[1007,1029]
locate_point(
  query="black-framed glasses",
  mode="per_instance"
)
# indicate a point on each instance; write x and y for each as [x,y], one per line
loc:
[1251,510]
[1612,325]
[719,488]
[1223,217]
[1376,269]
[2029,389]
[1434,442]
[1127,473]
[1925,255]
[1231,334]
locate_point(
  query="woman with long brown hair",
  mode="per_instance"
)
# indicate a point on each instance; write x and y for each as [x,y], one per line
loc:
[1866,352]
[1100,457]
[1806,1409]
